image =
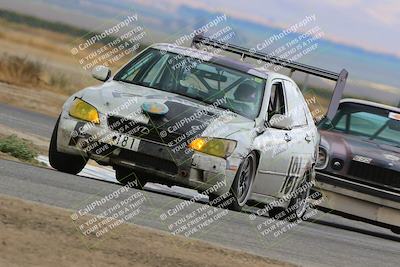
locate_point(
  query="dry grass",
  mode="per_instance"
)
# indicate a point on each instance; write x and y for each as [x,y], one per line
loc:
[30,73]
[37,70]
[36,43]
[18,70]
[35,57]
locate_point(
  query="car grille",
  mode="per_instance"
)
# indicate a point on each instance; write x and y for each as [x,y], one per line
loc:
[140,130]
[148,161]
[374,174]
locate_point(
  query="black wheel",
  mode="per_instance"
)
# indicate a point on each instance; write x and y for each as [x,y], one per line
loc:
[61,161]
[129,177]
[299,203]
[241,186]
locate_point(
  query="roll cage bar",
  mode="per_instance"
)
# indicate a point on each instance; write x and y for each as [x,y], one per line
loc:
[340,78]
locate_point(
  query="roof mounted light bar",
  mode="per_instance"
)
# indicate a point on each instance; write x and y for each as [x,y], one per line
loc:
[339,78]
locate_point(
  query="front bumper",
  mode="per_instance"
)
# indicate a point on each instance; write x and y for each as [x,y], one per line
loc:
[158,161]
[353,199]
[341,182]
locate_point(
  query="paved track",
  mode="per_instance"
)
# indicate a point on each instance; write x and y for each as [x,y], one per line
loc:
[26,121]
[330,241]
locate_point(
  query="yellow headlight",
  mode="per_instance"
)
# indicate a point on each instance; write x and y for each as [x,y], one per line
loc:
[84,111]
[214,146]
[198,144]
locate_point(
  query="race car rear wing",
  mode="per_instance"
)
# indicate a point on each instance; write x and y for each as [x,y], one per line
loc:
[339,78]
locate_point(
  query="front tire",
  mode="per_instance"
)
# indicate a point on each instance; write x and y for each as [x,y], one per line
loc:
[63,162]
[241,186]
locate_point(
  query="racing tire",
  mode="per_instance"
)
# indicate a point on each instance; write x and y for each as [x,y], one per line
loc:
[129,177]
[297,207]
[63,162]
[240,190]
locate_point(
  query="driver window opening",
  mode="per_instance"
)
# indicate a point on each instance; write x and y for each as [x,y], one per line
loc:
[277,101]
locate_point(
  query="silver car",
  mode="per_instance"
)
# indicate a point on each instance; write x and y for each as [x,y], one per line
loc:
[181,116]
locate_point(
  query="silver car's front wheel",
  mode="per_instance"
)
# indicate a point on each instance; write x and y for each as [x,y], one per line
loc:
[63,162]
[241,186]
[245,179]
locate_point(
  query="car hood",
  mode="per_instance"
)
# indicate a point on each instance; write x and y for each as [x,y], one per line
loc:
[125,100]
[347,147]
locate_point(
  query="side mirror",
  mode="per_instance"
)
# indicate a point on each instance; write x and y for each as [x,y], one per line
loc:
[101,73]
[280,121]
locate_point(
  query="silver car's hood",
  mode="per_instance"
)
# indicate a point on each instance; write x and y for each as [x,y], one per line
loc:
[123,99]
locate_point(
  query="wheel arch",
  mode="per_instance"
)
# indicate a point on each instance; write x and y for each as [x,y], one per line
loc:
[258,158]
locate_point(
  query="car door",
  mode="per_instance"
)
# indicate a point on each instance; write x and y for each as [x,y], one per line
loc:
[303,133]
[275,147]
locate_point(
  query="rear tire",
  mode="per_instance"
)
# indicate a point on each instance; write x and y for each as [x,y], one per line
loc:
[129,177]
[63,162]
[297,207]
[239,193]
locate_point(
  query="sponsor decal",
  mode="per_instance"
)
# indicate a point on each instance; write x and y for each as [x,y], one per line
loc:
[391,157]
[293,174]
[362,159]
[155,108]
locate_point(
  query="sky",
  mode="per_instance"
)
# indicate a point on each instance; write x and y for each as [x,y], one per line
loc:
[370,24]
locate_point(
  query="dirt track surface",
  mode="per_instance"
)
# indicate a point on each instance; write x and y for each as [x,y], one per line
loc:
[39,235]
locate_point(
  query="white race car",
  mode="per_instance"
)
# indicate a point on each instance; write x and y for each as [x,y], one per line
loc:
[182,116]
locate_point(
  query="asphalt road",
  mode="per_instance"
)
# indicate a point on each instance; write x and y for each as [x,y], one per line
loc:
[326,240]
[26,121]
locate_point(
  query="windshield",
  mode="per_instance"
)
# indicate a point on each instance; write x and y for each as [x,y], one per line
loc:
[375,124]
[197,79]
